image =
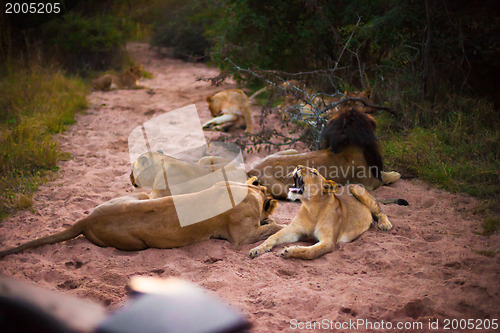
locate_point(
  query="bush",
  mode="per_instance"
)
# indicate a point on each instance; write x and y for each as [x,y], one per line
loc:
[186,27]
[36,104]
[82,44]
[456,148]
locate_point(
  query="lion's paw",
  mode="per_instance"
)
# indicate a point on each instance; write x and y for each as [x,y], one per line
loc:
[288,251]
[384,223]
[390,177]
[257,251]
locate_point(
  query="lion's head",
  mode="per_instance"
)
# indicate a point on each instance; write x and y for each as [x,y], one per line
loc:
[145,169]
[309,183]
[135,71]
[214,105]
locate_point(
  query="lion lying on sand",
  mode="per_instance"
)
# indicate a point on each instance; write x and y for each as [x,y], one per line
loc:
[136,222]
[230,109]
[126,80]
[324,215]
[150,170]
[350,153]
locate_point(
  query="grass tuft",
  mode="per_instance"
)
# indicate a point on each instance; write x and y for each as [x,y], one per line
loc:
[36,103]
[457,150]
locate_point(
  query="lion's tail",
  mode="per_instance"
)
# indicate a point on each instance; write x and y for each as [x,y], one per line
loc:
[400,202]
[67,234]
[353,128]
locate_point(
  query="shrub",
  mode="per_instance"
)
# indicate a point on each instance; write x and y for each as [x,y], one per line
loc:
[82,44]
[186,27]
[36,104]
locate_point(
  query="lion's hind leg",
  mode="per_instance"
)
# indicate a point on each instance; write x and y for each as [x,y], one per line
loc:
[371,203]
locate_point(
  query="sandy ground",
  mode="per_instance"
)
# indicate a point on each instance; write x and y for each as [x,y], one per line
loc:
[428,267]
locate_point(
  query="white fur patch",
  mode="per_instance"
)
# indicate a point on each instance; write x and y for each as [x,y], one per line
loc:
[293,196]
[344,239]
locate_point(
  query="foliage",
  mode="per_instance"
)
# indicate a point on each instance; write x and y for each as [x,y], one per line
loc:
[36,104]
[88,36]
[459,153]
[186,27]
[93,43]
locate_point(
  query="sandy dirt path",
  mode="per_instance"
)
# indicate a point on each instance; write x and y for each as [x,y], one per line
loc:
[428,267]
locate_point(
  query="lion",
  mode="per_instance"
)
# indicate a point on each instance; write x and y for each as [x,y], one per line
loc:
[349,153]
[230,109]
[329,217]
[127,80]
[136,222]
[150,170]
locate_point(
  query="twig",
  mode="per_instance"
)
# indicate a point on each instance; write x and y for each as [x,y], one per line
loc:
[357,99]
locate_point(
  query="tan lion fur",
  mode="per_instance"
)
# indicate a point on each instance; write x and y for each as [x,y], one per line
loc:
[127,80]
[136,222]
[350,153]
[230,109]
[324,215]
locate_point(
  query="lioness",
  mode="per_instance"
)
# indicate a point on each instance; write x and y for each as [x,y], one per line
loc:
[231,109]
[328,217]
[350,153]
[136,222]
[126,80]
[150,170]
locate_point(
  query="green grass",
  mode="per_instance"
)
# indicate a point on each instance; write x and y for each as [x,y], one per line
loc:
[490,225]
[36,103]
[459,152]
[147,75]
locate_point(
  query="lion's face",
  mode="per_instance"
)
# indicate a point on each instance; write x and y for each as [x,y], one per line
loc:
[136,71]
[309,183]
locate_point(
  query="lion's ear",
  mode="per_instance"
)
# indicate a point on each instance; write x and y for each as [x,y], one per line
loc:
[329,186]
[270,205]
[209,99]
[143,160]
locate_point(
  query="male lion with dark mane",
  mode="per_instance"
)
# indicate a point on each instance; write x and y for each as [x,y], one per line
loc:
[350,153]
